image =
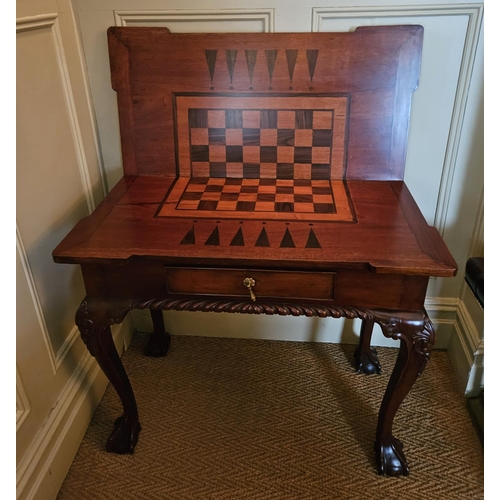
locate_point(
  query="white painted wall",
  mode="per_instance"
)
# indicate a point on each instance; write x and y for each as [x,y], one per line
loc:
[63,86]
[59,181]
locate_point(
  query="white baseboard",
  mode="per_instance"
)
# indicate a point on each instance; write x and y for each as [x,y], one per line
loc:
[43,469]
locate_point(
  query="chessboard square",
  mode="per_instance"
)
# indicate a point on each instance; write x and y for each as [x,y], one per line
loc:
[283,207]
[284,189]
[197,118]
[320,171]
[303,118]
[188,205]
[234,137]
[285,154]
[216,182]
[217,153]
[249,189]
[245,206]
[267,190]
[268,182]
[303,198]
[217,169]
[284,198]
[268,154]
[234,118]
[234,170]
[191,196]
[216,118]
[321,190]
[199,153]
[304,207]
[247,197]
[213,188]
[210,196]
[251,154]
[322,120]
[227,205]
[302,182]
[265,196]
[234,182]
[217,136]
[231,189]
[286,137]
[264,206]
[324,208]
[251,136]
[286,119]
[250,182]
[322,138]
[303,137]
[200,169]
[268,137]
[302,190]
[207,205]
[284,182]
[321,155]
[302,155]
[268,171]
[234,154]
[268,118]
[322,198]
[199,136]
[229,196]
[251,170]
[321,183]
[302,171]
[284,171]
[251,119]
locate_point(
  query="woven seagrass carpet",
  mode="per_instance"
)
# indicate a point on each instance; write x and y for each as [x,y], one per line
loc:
[233,419]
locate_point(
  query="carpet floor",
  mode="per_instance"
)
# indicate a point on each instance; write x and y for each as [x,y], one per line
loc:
[233,419]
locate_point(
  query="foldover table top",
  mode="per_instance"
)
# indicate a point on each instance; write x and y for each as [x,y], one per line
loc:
[287,149]
[263,173]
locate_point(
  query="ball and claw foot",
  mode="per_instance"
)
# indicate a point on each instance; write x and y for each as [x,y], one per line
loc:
[391,460]
[157,345]
[367,361]
[124,436]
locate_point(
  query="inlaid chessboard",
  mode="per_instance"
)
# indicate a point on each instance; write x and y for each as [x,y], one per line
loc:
[282,199]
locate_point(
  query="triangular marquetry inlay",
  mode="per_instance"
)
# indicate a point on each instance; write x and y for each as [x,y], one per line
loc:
[238,240]
[231,61]
[291,58]
[251,56]
[287,241]
[262,240]
[211,56]
[271,62]
[213,239]
[312,58]
[189,239]
[312,241]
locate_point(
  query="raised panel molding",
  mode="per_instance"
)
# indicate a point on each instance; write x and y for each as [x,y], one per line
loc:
[22,402]
[474,12]
[262,17]
[51,21]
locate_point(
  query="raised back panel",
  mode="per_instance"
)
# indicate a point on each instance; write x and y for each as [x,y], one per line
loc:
[312,106]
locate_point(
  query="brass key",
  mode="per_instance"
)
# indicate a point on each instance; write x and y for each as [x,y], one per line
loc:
[249,283]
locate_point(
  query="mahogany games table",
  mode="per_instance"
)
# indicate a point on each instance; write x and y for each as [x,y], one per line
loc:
[263,174]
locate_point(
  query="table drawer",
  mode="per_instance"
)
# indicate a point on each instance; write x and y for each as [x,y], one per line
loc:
[283,284]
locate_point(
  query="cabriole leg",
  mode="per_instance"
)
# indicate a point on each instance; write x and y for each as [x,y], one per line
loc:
[93,319]
[416,333]
[365,356]
[159,340]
